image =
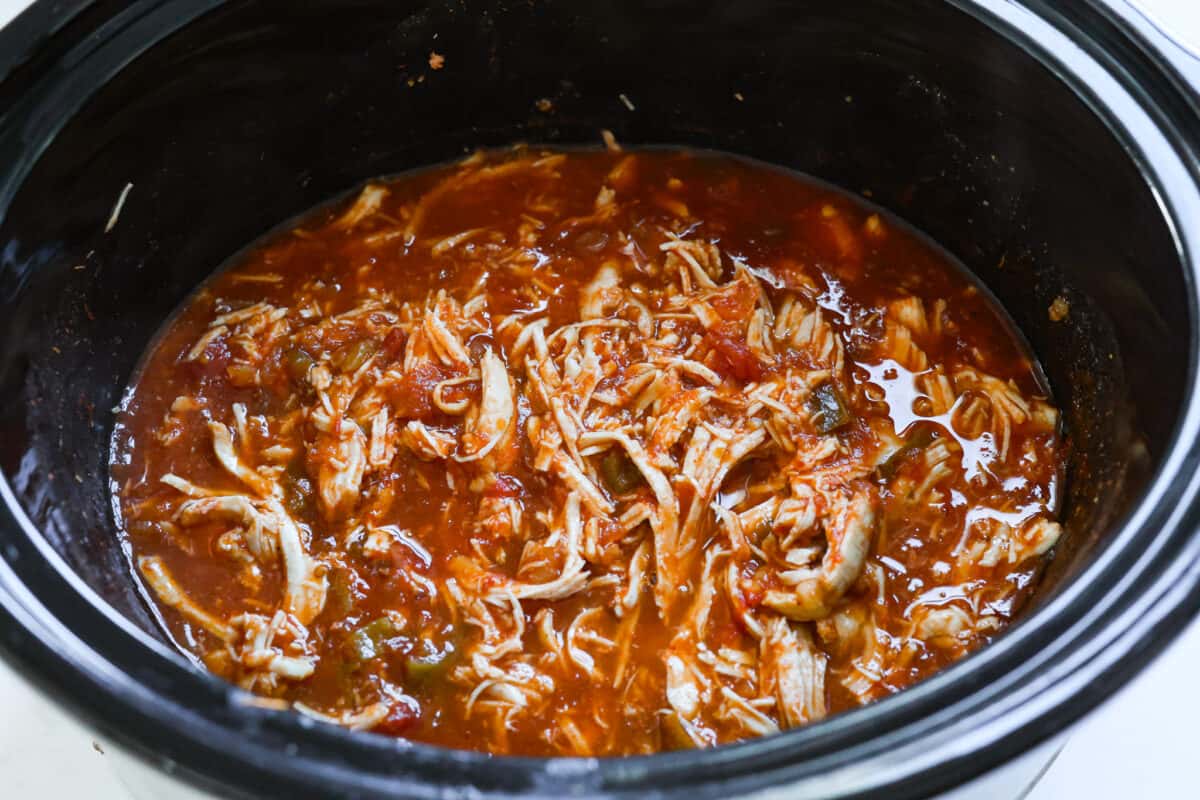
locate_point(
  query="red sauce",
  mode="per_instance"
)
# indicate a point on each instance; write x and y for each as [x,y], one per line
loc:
[915,421]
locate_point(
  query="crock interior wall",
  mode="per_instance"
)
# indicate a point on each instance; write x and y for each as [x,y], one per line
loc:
[260,110]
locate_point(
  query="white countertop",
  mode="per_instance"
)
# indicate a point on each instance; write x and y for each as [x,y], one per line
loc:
[1140,744]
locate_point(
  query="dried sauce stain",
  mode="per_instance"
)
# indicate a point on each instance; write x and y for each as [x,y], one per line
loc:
[590,453]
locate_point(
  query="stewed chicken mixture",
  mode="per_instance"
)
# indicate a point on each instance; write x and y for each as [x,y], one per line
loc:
[587,453]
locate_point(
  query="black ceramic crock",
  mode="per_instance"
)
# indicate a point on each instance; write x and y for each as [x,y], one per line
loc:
[1054,149]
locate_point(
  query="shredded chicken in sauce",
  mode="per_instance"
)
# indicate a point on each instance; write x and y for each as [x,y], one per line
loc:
[588,453]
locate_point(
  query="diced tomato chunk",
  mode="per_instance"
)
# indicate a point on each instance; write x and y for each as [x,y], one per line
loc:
[736,303]
[503,485]
[400,717]
[736,360]
[413,396]
[393,344]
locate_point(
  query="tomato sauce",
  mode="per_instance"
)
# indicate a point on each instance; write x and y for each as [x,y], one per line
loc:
[588,453]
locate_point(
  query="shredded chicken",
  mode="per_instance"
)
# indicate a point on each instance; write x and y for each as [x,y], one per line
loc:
[815,591]
[609,473]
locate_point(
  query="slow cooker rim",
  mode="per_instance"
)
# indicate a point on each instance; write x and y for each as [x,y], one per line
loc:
[30,628]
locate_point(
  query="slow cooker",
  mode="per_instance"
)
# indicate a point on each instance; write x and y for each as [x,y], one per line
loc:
[1053,148]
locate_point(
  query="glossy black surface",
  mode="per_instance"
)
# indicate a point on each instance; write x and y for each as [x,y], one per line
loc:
[1046,177]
